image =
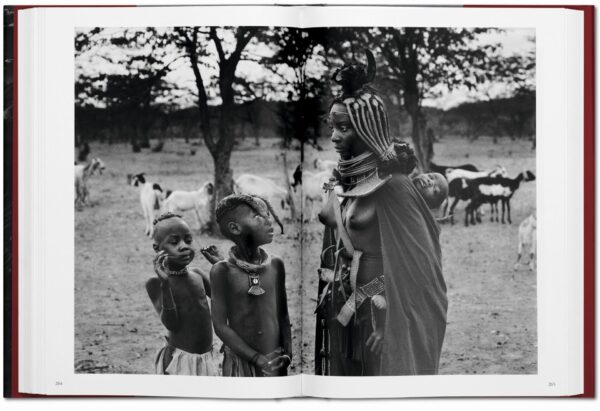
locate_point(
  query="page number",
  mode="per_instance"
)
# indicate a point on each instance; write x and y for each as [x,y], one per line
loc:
[551,384]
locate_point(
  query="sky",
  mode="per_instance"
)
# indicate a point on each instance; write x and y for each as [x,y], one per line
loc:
[512,41]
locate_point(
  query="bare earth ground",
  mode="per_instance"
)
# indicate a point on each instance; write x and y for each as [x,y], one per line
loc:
[492,310]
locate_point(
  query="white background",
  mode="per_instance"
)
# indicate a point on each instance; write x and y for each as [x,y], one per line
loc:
[296,404]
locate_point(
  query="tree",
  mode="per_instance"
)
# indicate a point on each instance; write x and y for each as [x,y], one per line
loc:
[422,59]
[131,85]
[294,47]
[423,63]
[219,144]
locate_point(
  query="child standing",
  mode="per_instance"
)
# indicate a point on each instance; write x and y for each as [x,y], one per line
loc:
[249,302]
[179,296]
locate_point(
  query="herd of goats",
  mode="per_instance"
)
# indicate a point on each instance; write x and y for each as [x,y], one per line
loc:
[466,183]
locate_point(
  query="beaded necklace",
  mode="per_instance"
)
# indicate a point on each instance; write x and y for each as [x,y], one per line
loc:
[358,169]
[175,273]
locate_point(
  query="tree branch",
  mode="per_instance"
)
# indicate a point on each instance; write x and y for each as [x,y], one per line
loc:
[213,36]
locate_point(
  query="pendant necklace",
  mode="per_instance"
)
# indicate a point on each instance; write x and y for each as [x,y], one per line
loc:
[253,270]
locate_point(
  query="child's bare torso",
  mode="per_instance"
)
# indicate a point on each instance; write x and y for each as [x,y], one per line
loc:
[254,317]
[193,332]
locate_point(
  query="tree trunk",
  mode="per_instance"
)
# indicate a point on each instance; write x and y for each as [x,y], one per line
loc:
[223,185]
[221,152]
[422,146]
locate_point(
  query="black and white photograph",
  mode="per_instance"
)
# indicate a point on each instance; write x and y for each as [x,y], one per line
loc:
[267,201]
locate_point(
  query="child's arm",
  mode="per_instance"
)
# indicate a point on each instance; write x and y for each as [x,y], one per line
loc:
[282,310]
[160,293]
[162,299]
[205,280]
[212,254]
[218,279]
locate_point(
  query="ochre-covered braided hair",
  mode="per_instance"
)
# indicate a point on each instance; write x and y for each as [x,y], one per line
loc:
[368,115]
[233,201]
[165,216]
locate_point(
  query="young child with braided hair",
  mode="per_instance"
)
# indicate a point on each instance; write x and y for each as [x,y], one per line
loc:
[179,295]
[249,302]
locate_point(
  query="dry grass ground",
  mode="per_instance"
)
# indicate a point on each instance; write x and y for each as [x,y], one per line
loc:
[492,313]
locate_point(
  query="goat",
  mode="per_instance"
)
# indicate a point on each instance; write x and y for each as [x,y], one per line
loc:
[200,201]
[84,151]
[527,238]
[151,198]
[325,165]
[453,173]
[457,187]
[312,190]
[82,175]
[263,187]
[494,189]
[434,168]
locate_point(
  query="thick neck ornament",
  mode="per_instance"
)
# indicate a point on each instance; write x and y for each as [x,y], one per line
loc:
[253,270]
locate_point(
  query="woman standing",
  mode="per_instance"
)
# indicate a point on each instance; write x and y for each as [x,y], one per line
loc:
[382,294]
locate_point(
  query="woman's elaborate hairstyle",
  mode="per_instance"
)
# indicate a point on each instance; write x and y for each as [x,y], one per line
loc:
[368,115]
[355,78]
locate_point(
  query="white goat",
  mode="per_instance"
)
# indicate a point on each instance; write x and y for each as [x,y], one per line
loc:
[313,191]
[82,175]
[325,165]
[151,197]
[263,187]
[454,173]
[199,201]
[527,238]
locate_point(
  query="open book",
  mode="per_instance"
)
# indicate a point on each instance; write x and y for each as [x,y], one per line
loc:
[412,207]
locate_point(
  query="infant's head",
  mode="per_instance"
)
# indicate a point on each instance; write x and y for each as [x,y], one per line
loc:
[433,187]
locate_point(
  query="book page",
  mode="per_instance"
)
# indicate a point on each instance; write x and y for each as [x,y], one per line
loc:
[168,118]
[148,126]
[470,92]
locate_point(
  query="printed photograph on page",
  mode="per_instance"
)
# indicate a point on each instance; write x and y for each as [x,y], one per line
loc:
[383,212]
[419,257]
[187,223]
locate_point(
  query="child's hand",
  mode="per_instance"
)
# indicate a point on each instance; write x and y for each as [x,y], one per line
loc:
[274,354]
[158,266]
[277,361]
[212,254]
[263,364]
[379,301]
[275,366]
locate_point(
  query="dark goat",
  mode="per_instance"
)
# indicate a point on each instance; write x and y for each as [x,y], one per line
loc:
[434,168]
[491,190]
[460,190]
[84,151]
